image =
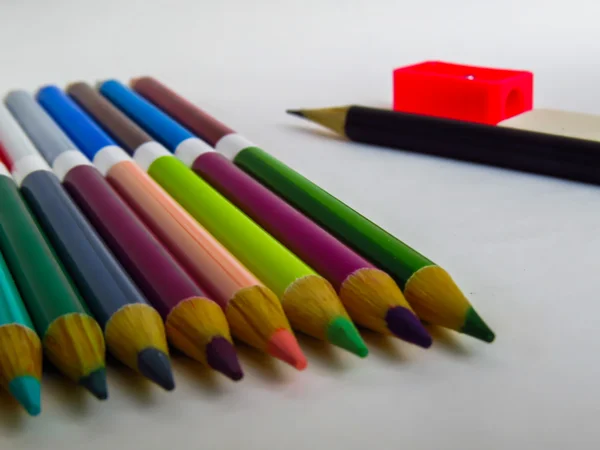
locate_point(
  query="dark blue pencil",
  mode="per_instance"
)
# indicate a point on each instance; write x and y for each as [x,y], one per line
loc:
[97,274]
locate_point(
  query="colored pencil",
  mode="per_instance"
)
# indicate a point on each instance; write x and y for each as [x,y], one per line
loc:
[71,338]
[20,346]
[309,301]
[371,297]
[429,289]
[133,330]
[194,323]
[253,310]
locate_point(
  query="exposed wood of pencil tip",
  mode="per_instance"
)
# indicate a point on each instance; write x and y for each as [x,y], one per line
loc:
[313,307]
[192,325]
[134,328]
[310,304]
[254,314]
[375,301]
[436,299]
[20,353]
[75,345]
[332,118]
[368,294]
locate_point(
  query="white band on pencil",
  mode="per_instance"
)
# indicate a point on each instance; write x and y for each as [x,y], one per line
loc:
[149,152]
[108,156]
[69,160]
[27,165]
[187,151]
[231,144]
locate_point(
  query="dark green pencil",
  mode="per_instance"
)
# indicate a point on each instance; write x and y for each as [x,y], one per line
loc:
[429,289]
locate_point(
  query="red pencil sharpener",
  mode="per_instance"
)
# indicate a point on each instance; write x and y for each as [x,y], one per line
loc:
[469,93]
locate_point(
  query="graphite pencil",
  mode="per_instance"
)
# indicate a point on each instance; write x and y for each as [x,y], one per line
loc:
[523,150]
[194,323]
[254,312]
[429,289]
[71,338]
[133,330]
[20,346]
[309,300]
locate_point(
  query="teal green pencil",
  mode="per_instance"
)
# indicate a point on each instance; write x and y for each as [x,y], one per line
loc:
[72,340]
[20,346]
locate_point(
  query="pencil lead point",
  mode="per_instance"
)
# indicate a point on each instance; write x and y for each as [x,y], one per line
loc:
[221,356]
[95,382]
[26,389]
[155,365]
[283,345]
[295,112]
[343,333]
[404,324]
[476,327]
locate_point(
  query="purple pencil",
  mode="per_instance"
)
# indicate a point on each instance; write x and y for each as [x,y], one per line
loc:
[370,295]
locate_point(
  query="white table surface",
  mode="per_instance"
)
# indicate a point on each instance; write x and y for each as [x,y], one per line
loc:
[524,248]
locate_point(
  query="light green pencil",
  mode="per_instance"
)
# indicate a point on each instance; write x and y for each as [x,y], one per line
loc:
[309,301]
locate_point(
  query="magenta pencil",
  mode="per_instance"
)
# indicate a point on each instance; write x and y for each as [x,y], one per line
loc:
[371,297]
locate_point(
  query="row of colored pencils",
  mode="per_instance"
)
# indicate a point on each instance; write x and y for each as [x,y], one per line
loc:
[120,225]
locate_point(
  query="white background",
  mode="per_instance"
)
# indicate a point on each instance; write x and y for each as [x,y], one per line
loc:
[523,248]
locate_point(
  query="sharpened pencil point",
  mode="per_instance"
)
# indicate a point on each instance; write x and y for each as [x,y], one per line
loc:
[476,327]
[343,333]
[295,112]
[27,390]
[284,346]
[155,365]
[95,382]
[221,356]
[404,324]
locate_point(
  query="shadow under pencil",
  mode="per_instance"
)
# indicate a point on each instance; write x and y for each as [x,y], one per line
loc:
[324,354]
[74,399]
[12,416]
[261,364]
[384,346]
[314,131]
[448,341]
[197,375]
[134,383]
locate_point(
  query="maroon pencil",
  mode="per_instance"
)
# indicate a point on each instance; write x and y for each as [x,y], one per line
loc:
[195,324]
[370,295]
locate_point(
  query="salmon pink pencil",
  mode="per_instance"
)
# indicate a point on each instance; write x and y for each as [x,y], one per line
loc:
[308,299]
[254,312]
[195,324]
